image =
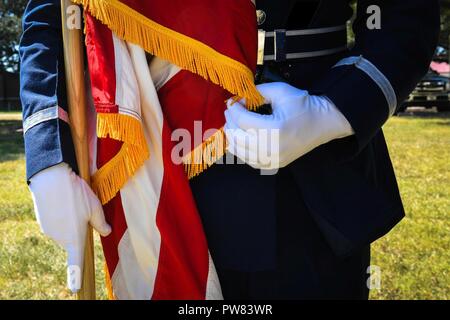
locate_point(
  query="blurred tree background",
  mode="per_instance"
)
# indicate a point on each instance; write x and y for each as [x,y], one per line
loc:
[10,30]
[445,24]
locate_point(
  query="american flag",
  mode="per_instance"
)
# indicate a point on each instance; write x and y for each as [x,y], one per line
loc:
[157,248]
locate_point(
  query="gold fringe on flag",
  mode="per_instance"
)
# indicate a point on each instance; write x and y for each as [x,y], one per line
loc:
[205,155]
[183,51]
[110,178]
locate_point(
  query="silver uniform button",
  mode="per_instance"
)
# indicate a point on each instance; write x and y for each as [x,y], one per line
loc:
[260,17]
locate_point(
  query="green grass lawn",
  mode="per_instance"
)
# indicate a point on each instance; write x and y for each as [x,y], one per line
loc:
[31,266]
[414,258]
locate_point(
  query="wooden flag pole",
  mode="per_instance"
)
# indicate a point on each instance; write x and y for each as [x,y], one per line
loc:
[76,98]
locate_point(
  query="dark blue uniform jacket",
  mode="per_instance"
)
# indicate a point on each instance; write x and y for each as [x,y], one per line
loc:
[347,185]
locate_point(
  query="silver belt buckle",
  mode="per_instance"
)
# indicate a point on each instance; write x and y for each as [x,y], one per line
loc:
[261,46]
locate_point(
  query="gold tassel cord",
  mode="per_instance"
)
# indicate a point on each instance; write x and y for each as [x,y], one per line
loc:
[205,155]
[111,177]
[186,52]
[183,51]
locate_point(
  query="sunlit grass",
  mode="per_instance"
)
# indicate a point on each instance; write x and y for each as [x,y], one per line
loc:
[414,258]
[31,266]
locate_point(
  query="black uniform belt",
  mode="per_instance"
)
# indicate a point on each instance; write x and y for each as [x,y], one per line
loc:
[282,45]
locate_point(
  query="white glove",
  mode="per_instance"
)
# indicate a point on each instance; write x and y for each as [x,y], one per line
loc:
[298,124]
[64,205]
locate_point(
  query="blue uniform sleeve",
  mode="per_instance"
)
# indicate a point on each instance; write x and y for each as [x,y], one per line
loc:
[42,89]
[385,64]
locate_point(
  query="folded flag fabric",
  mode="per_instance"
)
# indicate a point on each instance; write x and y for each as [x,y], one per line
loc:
[202,53]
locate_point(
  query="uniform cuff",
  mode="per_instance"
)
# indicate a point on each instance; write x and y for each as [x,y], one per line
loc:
[48,142]
[362,94]
[376,75]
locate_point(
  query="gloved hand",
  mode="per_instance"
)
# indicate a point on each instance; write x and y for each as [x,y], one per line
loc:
[298,124]
[64,205]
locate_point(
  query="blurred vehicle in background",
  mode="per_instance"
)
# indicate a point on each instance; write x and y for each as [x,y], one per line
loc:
[434,89]
[441,55]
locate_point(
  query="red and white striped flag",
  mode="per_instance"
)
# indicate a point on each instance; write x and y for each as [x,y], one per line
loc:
[158,249]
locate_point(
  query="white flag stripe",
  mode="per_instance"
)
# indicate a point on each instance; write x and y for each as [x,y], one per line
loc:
[129,285]
[139,248]
[140,196]
[213,289]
